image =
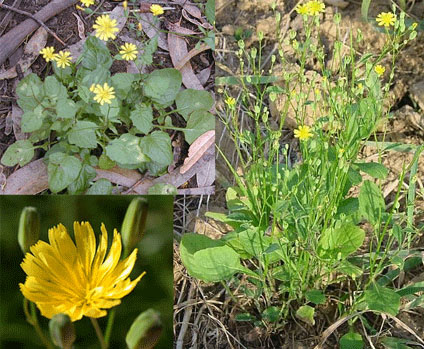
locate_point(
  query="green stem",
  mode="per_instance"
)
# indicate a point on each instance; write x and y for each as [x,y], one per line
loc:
[109,325]
[99,333]
[33,320]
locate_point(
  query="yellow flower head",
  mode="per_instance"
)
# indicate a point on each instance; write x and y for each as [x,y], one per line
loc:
[379,69]
[230,101]
[48,53]
[125,4]
[414,26]
[157,10]
[105,28]
[315,7]
[63,59]
[302,9]
[87,3]
[386,19]
[139,26]
[303,133]
[128,51]
[103,94]
[76,279]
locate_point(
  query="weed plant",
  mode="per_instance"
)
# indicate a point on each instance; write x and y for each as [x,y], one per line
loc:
[299,230]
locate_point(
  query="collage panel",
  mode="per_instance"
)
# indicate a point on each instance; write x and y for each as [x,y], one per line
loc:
[62,255]
[107,97]
[314,237]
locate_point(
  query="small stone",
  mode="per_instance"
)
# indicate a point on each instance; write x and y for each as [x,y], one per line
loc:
[417,93]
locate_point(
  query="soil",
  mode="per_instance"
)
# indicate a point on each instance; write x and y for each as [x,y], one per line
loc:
[65,25]
[241,18]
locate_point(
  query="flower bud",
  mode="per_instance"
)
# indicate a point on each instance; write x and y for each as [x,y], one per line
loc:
[134,223]
[62,331]
[29,228]
[145,331]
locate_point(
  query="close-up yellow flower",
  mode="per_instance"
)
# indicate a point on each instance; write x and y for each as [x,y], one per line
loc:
[103,94]
[303,133]
[63,59]
[87,3]
[230,101]
[105,28]
[386,19]
[315,7]
[379,69]
[76,279]
[302,9]
[48,53]
[128,51]
[157,10]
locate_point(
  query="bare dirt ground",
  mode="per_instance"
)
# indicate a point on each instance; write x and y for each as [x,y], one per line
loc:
[204,313]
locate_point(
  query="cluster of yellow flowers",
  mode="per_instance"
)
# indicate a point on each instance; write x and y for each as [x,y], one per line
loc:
[311,8]
[62,59]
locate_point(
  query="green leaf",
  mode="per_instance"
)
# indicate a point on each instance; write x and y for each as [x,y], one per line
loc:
[271,314]
[21,152]
[371,202]
[62,170]
[382,299]
[105,163]
[374,169]
[207,259]
[30,92]
[395,343]
[306,314]
[146,58]
[145,331]
[349,269]
[32,120]
[83,134]
[245,317]
[162,86]
[190,100]
[53,89]
[338,243]
[126,150]
[254,242]
[198,123]
[101,187]
[364,9]
[95,54]
[162,189]
[157,146]
[111,111]
[123,83]
[351,340]
[142,117]
[86,175]
[315,296]
[66,109]
[210,11]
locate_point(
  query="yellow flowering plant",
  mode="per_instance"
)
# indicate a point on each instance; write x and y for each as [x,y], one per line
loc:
[84,117]
[297,135]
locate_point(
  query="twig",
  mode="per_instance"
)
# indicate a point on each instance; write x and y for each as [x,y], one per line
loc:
[6,7]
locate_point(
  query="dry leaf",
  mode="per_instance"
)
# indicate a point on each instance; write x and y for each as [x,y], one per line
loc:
[31,52]
[205,24]
[194,52]
[151,31]
[206,174]
[81,29]
[204,75]
[16,120]
[190,8]
[197,149]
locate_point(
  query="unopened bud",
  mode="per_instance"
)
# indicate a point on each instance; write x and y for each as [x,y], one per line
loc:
[62,331]
[134,223]
[29,228]
[145,331]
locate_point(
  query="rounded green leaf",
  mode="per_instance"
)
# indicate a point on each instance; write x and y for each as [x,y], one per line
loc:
[62,170]
[145,331]
[315,296]
[371,202]
[162,85]
[306,314]
[157,146]
[66,108]
[142,117]
[198,123]
[382,299]
[101,187]
[351,340]
[21,152]
[162,189]
[207,259]
[374,169]
[190,100]
[32,120]
[126,150]
[83,134]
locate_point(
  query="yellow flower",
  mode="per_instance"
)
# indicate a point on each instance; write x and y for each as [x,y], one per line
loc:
[139,27]
[105,28]
[302,9]
[303,133]
[230,101]
[315,7]
[379,69]
[63,59]
[414,26]
[128,51]
[87,3]
[76,279]
[157,10]
[386,19]
[48,53]
[125,4]
[103,94]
